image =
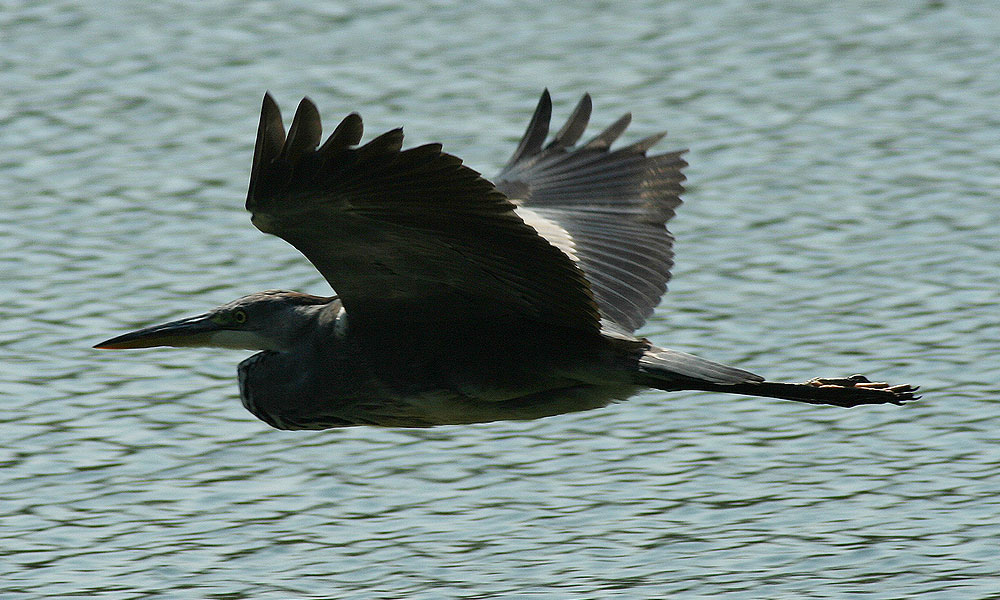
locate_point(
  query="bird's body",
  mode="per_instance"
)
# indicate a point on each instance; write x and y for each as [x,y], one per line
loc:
[377,380]
[462,300]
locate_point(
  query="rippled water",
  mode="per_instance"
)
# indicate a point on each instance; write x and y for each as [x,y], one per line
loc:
[842,216]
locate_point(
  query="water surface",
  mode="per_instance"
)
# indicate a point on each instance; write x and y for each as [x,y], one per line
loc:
[841,217]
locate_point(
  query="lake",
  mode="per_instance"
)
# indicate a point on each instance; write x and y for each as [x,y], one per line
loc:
[841,216]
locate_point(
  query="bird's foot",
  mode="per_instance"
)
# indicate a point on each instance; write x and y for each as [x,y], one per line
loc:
[901,393]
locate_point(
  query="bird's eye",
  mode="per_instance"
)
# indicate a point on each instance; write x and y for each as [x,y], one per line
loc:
[240,316]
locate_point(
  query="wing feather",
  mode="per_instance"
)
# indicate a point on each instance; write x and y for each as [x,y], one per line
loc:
[408,234]
[607,209]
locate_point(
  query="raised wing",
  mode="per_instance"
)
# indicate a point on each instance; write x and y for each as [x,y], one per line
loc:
[606,209]
[407,236]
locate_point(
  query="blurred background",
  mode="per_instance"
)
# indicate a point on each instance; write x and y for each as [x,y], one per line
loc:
[841,217]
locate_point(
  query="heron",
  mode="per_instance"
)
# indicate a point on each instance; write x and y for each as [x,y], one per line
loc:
[461,299]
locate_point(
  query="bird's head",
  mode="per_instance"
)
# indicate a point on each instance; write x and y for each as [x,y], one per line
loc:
[270,320]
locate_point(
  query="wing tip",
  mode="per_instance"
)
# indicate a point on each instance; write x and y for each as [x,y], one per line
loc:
[536,131]
[276,153]
[305,133]
[348,133]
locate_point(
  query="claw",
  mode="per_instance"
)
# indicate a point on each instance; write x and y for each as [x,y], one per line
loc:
[902,393]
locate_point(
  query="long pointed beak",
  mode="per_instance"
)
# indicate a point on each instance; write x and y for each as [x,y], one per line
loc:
[190,332]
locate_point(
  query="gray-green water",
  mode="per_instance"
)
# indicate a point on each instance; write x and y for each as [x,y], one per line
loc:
[842,216]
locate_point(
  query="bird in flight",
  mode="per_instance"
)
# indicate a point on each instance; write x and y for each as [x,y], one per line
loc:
[461,299]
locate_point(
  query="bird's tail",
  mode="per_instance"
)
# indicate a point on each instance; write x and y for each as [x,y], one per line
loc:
[671,370]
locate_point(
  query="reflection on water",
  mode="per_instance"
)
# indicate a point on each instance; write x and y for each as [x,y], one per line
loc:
[841,217]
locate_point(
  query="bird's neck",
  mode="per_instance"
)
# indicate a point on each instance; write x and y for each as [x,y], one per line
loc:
[319,322]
